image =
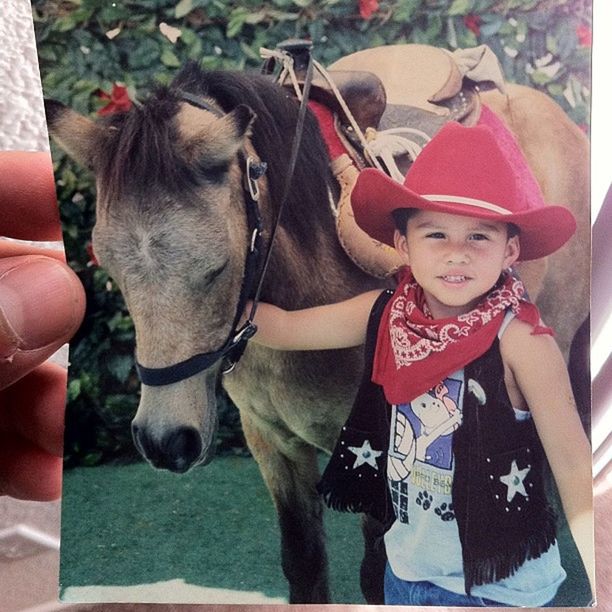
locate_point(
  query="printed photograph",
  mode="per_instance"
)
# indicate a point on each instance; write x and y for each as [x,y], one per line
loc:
[336,258]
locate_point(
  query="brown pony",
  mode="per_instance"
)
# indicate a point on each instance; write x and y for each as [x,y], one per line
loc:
[171,230]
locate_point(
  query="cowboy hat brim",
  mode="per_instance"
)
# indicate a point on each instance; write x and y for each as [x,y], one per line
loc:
[375,196]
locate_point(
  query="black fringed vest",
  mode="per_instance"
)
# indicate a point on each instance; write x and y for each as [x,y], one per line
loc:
[496,535]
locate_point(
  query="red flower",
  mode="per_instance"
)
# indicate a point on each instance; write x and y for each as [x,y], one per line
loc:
[472,22]
[585,35]
[367,8]
[118,100]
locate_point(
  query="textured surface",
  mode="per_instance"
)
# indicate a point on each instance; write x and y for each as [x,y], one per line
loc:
[22,124]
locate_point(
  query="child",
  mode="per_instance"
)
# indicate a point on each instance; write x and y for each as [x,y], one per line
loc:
[467,369]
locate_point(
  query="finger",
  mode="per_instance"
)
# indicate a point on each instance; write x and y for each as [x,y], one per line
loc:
[28,472]
[41,306]
[16,249]
[28,206]
[34,408]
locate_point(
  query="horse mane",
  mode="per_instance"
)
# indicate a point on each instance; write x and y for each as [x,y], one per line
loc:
[140,150]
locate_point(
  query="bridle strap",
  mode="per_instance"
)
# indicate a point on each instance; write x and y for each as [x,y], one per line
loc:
[233,348]
[199,102]
[247,331]
[295,149]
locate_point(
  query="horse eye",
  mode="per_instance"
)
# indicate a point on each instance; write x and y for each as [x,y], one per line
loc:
[215,173]
[211,276]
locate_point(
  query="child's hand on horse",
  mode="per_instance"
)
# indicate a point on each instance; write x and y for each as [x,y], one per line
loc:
[332,326]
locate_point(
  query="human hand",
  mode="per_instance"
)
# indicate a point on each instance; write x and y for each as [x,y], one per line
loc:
[41,306]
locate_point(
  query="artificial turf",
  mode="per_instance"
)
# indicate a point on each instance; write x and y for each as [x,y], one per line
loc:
[213,527]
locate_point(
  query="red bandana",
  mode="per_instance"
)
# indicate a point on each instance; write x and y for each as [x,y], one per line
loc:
[415,352]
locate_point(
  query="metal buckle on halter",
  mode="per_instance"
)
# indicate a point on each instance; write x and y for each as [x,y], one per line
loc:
[243,335]
[254,171]
[246,332]
[228,366]
[254,236]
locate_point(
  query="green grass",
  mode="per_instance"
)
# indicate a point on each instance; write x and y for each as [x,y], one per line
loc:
[213,527]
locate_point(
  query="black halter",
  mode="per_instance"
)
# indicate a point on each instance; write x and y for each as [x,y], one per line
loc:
[235,344]
[233,348]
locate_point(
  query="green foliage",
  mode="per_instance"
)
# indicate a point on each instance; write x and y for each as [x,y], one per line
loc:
[86,46]
[77,56]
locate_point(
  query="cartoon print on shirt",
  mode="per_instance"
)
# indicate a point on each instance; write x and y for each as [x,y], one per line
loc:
[445,511]
[424,499]
[438,416]
[422,430]
[402,449]
[420,446]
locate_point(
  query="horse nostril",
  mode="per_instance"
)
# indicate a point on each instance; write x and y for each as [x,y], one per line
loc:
[182,447]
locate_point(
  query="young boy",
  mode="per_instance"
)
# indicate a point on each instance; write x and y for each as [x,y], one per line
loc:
[467,370]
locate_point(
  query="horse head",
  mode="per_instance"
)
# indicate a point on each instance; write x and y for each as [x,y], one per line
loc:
[171,231]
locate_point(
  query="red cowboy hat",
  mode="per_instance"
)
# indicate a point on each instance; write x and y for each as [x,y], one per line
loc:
[462,171]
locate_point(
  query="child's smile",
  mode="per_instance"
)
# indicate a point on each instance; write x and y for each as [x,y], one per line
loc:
[455,259]
[455,279]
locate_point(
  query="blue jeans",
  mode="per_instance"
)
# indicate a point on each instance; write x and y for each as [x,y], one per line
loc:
[400,592]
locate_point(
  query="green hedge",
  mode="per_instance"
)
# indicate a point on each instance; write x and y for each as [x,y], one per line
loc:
[87,47]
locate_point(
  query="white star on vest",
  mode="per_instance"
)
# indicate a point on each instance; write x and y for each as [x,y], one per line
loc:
[514,480]
[365,454]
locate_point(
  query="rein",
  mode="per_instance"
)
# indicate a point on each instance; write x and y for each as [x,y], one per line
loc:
[233,348]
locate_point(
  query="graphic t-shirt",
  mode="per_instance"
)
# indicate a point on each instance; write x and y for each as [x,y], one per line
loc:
[423,543]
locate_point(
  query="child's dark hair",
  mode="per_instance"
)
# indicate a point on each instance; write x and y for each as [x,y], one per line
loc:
[401,217]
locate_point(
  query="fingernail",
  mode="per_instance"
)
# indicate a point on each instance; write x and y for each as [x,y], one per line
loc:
[37,303]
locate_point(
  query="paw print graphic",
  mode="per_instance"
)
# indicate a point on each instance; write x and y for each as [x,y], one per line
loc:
[445,512]
[424,499]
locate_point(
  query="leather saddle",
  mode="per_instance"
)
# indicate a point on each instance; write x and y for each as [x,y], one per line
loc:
[392,86]
[395,86]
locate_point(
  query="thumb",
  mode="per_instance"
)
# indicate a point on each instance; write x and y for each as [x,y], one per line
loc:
[41,306]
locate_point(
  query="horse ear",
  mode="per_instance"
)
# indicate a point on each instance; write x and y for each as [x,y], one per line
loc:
[242,117]
[74,133]
[216,140]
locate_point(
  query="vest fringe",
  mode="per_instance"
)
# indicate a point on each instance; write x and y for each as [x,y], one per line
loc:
[339,495]
[508,559]
[337,498]
[335,502]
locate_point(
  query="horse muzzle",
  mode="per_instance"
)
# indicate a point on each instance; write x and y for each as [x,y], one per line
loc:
[177,450]
[175,426]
